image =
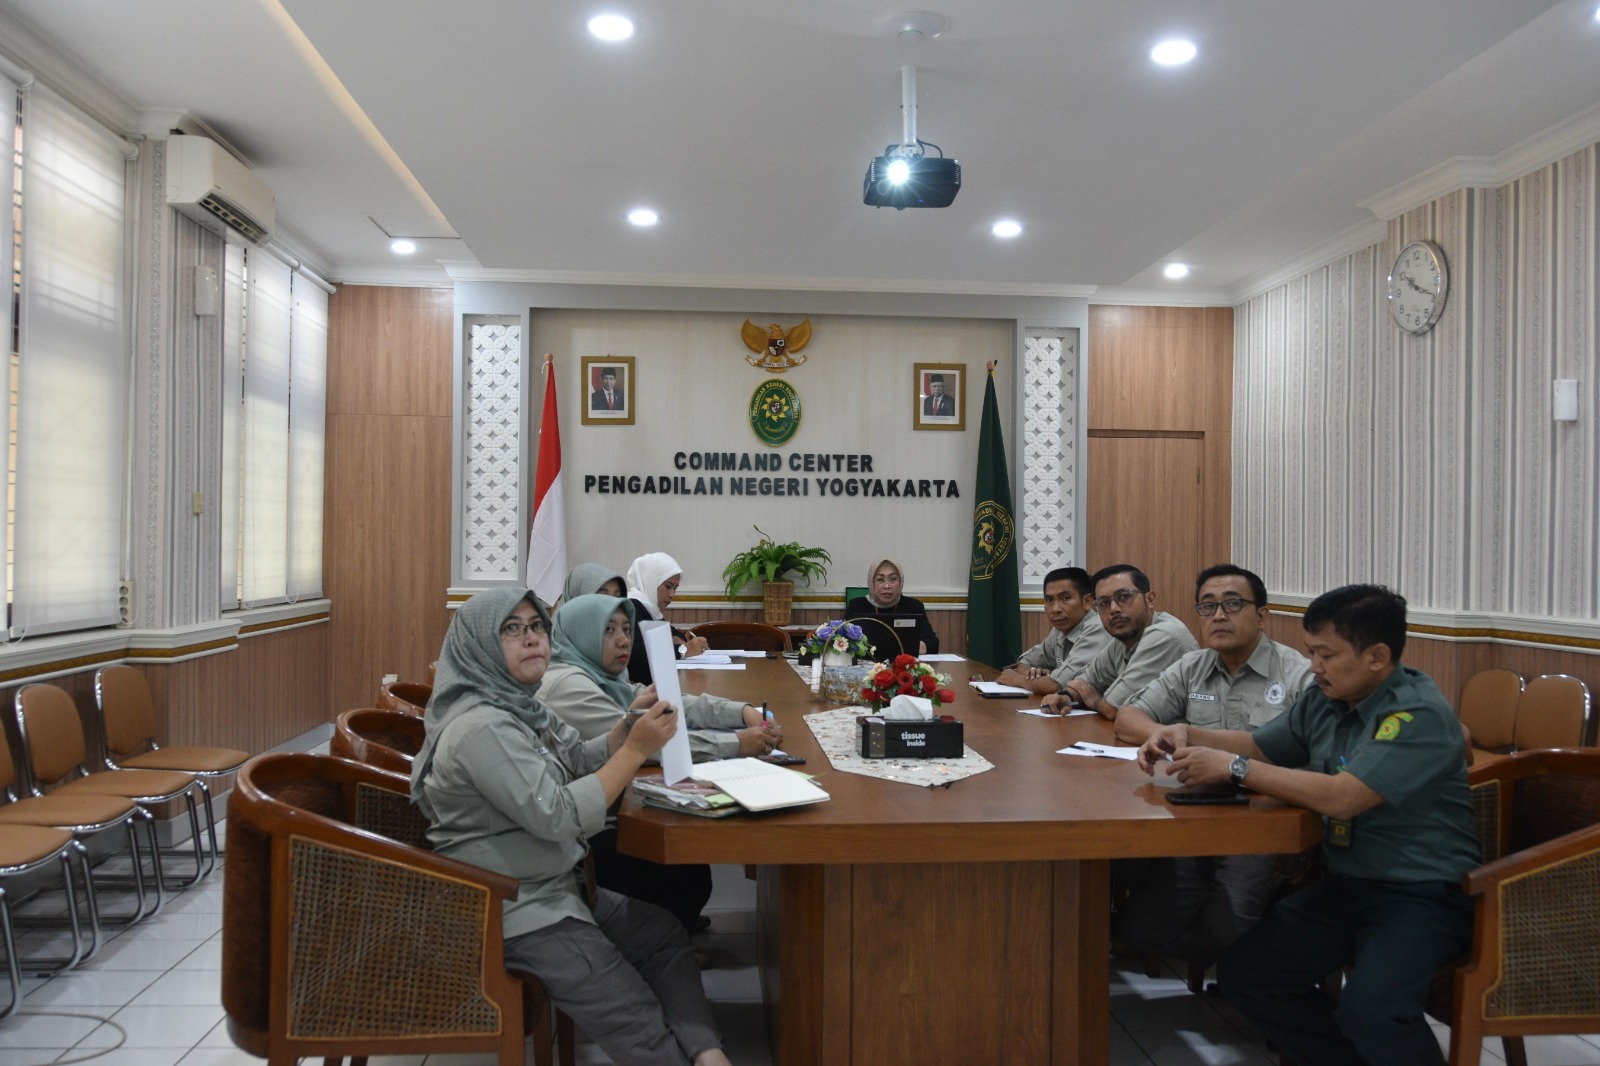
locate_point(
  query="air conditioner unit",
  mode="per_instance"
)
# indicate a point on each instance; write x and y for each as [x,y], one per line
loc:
[209,185]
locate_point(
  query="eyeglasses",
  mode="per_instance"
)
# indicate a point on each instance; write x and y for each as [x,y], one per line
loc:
[1121,599]
[1231,605]
[516,630]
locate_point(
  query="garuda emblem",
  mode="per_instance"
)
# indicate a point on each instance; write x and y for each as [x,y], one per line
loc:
[775,347]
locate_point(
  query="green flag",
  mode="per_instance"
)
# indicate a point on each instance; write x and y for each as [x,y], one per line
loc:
[994,613]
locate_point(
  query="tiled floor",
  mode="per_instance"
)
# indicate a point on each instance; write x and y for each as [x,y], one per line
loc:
[150,997]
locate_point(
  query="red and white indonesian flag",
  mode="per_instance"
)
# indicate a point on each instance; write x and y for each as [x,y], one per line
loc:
[547,545]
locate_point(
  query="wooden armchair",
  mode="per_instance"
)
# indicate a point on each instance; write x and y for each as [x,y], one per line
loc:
[405,696]
[1535,962]
[377,737]
[344,935]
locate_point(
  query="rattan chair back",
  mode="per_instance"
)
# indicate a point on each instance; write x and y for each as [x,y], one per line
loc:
[744,636]
[1553,712]
[321,913]
[1535,962]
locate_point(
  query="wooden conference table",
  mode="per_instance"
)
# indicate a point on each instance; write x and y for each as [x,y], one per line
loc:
[901,924]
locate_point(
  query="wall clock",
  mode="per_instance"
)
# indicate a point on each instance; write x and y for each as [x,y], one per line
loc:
[1418,285]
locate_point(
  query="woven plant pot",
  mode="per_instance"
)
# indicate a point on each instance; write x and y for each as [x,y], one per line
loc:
[777,602]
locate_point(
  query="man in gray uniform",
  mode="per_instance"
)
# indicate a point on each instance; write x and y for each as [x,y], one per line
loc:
[1144,643]
[1194,907]
[1075,638]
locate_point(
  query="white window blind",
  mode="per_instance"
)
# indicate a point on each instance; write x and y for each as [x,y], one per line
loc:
[8,189]
[275,352]
[72,373]
[308,389]
[232,417]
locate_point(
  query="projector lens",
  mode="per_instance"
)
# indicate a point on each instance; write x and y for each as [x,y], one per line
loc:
[899,171]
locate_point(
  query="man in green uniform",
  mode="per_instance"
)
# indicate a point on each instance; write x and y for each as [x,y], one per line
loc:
[1075,638]
[1194,907]
[1144,642]
[1376,749]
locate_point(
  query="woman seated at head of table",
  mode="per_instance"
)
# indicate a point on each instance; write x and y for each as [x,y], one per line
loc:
[884,581]
[586,579]
[508,786]
[652,583]
[587,687]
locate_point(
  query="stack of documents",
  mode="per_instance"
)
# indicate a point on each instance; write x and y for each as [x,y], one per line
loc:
[757,785]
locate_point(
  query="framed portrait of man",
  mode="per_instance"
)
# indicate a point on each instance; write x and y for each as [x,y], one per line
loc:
[940,399]
[608,386]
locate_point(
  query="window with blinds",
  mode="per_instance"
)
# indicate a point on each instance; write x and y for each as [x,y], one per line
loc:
[275,349]
[65,420]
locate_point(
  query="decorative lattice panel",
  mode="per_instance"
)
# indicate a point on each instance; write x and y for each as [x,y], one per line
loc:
[490,526]
[1049,453]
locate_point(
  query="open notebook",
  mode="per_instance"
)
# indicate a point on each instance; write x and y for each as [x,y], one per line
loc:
[757,785]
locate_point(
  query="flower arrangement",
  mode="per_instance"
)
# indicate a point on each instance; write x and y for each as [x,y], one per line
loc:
[838,636]
[905,676]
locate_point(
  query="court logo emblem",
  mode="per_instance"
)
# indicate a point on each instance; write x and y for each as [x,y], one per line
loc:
[1275,693]
[1390,727]
[992,534]
[775,412]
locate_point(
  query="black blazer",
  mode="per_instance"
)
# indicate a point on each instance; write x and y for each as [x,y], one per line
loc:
[864,605]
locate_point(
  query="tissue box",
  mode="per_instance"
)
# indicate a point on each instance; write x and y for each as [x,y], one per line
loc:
[937,738]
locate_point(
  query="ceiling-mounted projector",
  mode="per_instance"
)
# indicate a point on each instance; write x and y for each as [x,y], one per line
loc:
[902,181]
[904,176]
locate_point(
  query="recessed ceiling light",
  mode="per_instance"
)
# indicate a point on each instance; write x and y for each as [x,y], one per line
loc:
[401,246]
[1173,53]
[1176,270]
[643,216]
[611,27]
[1006,228]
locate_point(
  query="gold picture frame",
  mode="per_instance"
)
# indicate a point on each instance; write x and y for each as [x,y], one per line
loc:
[939,396]
[602,407]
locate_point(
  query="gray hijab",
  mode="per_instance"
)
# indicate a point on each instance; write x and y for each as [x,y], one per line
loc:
[578,639]
[586,579]
[472,673]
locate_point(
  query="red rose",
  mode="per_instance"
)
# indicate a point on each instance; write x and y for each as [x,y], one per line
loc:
[903,678]
[883,678]
[946,696]
[929,683]
[868,694]
[905,661]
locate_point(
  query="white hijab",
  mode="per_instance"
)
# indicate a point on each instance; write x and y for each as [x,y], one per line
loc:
[646,575]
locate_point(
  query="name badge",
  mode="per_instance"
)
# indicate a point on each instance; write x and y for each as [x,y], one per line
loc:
[1340,833]
[905,623]
[1206,696]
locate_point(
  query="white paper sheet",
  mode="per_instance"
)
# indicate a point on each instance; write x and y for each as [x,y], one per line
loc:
[700,664]
[1103,751]
[1040,712]
[942,657]
[707,658]
[676,762]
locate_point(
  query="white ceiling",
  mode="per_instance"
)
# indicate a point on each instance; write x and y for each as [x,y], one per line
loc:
[748,125]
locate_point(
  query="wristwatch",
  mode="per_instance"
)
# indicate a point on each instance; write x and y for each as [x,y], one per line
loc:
[1238,768]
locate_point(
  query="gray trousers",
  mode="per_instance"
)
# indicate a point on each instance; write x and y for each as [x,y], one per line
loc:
[1192,908]
[630,981]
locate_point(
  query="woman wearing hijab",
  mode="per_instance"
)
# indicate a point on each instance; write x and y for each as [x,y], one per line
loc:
[587,686]
[508,786]
[652,584]
[884,581]
[587,579]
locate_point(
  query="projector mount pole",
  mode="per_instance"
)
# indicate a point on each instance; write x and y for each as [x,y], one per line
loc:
[908,111]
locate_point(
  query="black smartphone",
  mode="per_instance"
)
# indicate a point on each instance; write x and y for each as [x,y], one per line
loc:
[783,760]
[1208,794]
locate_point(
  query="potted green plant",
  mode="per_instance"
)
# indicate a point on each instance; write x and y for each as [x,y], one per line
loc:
[767,563]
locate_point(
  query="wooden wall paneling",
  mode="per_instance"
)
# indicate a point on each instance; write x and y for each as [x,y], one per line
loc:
[387,526]
[384,350]
[1144,503]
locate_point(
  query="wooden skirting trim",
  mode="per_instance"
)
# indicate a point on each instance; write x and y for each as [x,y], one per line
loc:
[62,666]
[283,623]
[1478,633]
